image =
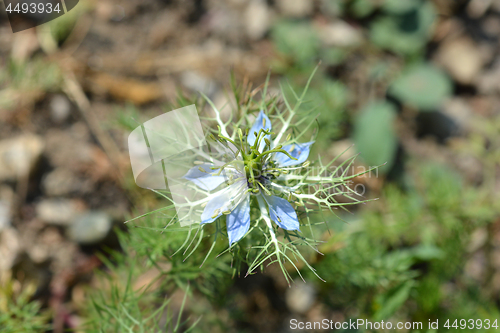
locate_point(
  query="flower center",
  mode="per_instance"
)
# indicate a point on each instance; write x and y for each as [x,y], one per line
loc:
[259,167]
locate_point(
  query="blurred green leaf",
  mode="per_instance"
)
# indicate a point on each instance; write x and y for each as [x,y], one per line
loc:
[298,40]
[333,8]
[363,8]
[423,86]
[400,6]
[374,134]
[333,56]
[406,33]
[391,301]
[427,252]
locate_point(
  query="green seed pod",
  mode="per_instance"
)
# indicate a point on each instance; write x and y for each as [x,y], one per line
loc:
[202,170]
[306,164]
[289,136]
[267,142]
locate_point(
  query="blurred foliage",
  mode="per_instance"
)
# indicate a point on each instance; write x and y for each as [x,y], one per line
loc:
[27,79]
[405,26]
[18,312]
[398,258]
[423,86]
[298,40]
[135,292]
[374,134]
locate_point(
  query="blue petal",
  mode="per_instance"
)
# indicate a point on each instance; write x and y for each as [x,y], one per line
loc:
[298,150]
[238,222]
[206,181]
[282,212]
[257,126]
[222,201]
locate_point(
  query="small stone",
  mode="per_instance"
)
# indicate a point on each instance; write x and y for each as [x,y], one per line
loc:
[59,211]
[198,82]
[59,182]
[60,108]
[340,34]
[10,247]
[459,111]
[6,201]
[296,8]
[462,58]
[300,298]
[477,240]
[91,227]
[19,155]
[257,19]
[477,8]
[69,148]
[4,214]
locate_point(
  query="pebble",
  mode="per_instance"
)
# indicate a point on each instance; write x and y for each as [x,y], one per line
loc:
[295,8]
[257,19]
[59,211]
[6,201]
[90,227]
[462,58]
[19,155]
[4,214]
[459,111]
[477,8]
[60,181]
[198,82]
[69,148]
[340,34]
[60,108]
[300,298]
[10,247]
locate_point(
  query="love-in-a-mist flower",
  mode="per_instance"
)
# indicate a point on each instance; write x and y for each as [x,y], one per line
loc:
[258,182]
[251,175]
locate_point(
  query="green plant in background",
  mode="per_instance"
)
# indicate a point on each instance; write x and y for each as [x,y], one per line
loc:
[135,291]
[120,307]
[27,79]
[405,27]
[298,41]
[374,134]
[18,312]
[423,86]
[397,260]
